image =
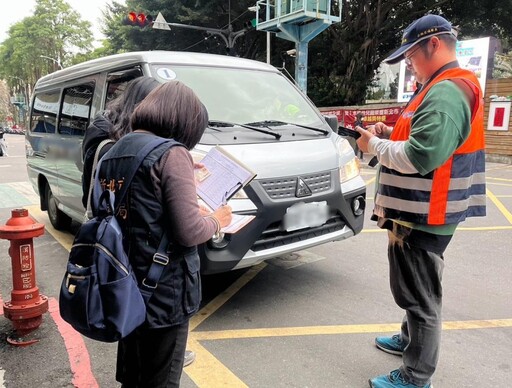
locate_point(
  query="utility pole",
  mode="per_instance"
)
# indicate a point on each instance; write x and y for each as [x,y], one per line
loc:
[226,34]
[298,21]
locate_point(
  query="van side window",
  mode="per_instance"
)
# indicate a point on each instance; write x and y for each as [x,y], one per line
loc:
[44,112]
[116,82]
[75,110]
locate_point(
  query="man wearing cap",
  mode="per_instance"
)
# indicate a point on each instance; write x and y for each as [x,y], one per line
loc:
[431,177]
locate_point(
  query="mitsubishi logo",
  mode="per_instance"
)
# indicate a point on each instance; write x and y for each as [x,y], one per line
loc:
[302,189]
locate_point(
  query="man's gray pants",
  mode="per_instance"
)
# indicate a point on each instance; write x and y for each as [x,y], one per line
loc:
[415,279]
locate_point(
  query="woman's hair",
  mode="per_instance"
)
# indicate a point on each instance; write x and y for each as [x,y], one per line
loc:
[121,109]
[174,111]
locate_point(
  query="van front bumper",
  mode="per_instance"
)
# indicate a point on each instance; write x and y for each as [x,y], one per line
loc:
[264,237]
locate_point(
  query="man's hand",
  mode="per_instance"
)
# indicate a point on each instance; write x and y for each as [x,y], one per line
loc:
[362,142]
[380,130]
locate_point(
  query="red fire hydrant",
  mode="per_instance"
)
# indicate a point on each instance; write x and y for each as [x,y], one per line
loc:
[27,306]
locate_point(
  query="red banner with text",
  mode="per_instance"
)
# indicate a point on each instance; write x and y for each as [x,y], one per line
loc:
[347,117]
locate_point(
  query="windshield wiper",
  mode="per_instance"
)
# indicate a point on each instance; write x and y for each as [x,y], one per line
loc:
[271,123]
[216,123]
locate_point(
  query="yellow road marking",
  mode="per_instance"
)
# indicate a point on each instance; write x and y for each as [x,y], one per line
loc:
[223,297]
[207,371]
[64,238]
[370,181]
[483,228]
[499,184]
[500,167]
[498,179]
[500,206]
[210,372]
[340,329]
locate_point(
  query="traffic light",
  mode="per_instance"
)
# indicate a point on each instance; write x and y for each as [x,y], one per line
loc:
[138,19]
[250,24]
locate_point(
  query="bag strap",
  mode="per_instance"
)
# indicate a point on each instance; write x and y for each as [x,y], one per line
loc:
[139,158]
[160,261]
[91,185]
[161,257]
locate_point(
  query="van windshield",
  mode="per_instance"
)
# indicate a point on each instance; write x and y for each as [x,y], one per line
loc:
[243,96]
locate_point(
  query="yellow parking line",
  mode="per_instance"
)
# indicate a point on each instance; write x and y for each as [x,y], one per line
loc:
[341,329]
[295,331]
[498,179]
[483,324]
[207,371]
[498,184]
[223,297]
[63,238]
[501,166]
[500,206]
[483,228]
[210,372]
[370,181]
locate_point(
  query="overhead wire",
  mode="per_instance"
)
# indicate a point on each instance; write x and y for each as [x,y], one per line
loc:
[225,26]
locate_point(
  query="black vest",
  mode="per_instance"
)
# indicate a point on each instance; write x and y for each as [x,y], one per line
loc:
[142,218]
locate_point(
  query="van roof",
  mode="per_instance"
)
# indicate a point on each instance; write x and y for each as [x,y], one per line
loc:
[153,57]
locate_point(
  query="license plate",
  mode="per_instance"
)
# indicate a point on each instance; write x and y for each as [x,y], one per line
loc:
[305,215]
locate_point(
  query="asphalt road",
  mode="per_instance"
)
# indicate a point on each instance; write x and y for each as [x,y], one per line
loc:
[302,320]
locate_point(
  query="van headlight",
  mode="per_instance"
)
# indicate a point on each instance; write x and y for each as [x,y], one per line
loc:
[351,169]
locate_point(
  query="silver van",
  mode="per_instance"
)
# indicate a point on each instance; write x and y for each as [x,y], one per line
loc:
[308,189]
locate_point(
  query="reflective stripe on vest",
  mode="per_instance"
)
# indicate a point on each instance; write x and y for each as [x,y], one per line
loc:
[451,192]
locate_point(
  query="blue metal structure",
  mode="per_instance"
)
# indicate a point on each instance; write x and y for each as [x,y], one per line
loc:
[298,21]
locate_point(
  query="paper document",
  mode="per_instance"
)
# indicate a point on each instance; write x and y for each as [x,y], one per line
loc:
[221,177]
[237,223]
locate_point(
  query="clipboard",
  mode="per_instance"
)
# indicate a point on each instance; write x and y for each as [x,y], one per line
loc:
[221,177]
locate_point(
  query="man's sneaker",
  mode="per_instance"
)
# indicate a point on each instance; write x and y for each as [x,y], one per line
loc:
[394,379]
[190,356]
[392,345]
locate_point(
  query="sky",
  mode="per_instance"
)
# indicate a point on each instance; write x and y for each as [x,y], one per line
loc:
[88,9]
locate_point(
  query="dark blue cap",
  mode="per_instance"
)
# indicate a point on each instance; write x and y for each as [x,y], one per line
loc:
[418,31]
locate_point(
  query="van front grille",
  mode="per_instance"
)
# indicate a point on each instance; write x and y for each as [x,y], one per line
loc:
[281,188]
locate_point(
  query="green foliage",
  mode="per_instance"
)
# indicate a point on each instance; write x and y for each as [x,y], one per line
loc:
[342,60]
[502,65]
[214,14]
[55,31]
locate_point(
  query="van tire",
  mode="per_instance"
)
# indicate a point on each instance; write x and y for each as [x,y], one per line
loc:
[58,219]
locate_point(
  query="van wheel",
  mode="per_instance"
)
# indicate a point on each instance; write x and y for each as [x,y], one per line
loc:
[59,220]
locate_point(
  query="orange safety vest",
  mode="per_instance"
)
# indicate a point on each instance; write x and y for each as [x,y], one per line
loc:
[451,192]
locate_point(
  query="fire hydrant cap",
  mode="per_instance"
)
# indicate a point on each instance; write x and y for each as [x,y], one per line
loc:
[20,226]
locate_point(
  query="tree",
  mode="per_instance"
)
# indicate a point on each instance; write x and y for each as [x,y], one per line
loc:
[5,104]
[55,31]
[218,14]
[342,60]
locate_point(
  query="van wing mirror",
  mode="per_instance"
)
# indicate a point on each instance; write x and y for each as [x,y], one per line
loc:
[332,120]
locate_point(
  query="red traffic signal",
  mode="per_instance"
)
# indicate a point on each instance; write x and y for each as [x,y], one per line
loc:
[138,19]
